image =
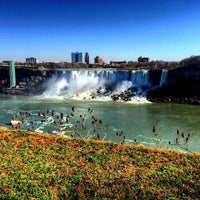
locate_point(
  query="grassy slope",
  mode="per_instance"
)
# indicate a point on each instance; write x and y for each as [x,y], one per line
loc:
[42,166]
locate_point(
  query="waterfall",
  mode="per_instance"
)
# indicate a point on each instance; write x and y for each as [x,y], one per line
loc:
[140,78]
[99,84]
[163,78]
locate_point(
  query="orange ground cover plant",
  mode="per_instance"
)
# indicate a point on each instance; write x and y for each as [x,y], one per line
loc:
[44,166]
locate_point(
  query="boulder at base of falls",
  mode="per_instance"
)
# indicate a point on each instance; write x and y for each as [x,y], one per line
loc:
[15,122]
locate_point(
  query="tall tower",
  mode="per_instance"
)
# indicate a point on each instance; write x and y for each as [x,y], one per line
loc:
[12,74]
[87,59]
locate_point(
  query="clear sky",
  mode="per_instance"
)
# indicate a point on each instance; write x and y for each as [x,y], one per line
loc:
[112,29]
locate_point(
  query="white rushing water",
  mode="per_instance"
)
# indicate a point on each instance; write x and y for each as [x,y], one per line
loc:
[100,85]
[163,78]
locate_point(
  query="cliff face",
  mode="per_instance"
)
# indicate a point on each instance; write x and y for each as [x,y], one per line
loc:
[183,86]
[185,73]
[4,77]
[29,81]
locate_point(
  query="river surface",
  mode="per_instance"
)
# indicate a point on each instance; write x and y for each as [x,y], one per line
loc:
[134,120]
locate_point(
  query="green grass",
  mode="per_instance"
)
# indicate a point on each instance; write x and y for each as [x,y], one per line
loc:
[42,166]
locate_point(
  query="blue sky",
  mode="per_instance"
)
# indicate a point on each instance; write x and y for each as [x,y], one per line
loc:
[112,29]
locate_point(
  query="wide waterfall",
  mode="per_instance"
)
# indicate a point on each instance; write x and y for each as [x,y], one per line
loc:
[101,84]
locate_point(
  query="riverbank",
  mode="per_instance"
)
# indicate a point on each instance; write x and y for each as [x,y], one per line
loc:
[36,165]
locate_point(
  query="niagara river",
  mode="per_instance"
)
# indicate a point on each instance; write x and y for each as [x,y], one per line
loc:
[135,120]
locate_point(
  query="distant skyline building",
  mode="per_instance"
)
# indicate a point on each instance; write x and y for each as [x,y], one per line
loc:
[87,58]
[76,57]
[98,60]
[118,62]
[6,62]
[143,59]
[31,60]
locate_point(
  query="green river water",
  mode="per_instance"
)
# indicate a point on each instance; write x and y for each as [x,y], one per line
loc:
[135,120]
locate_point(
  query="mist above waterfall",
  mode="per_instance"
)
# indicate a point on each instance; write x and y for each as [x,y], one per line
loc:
[79,83]
[123,86]
[99,85]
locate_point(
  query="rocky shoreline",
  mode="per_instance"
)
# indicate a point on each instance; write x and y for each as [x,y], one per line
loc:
[183,100]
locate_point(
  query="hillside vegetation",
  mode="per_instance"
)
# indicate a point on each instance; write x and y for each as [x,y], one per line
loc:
[43,166]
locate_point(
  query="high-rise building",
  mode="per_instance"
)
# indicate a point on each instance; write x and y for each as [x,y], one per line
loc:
[76,57]
[31,60]
[87,59]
